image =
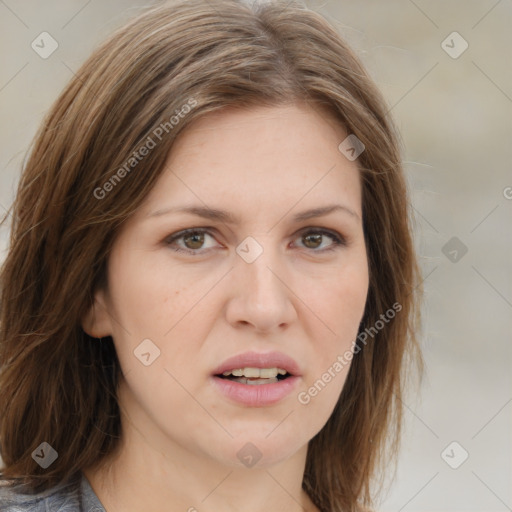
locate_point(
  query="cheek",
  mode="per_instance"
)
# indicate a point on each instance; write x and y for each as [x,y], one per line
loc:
[331,356]
[340,302]
[340,306]
[151,294]
[160,302]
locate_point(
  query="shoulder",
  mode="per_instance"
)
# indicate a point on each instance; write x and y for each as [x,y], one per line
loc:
[61,498]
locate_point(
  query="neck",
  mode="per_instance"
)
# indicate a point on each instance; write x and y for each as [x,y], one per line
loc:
[150,472]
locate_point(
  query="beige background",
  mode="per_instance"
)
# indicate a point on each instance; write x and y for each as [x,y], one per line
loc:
[455,115]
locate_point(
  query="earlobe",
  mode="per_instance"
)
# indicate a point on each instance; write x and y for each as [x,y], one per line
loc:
[96,321]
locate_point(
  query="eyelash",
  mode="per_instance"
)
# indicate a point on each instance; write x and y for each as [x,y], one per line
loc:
[338,240]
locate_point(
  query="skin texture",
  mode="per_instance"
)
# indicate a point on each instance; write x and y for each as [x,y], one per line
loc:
[180,434]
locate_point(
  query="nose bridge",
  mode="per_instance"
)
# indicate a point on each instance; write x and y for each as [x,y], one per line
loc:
[261,298]
[257,265]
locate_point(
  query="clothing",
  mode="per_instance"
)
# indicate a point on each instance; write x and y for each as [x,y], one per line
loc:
[75,496]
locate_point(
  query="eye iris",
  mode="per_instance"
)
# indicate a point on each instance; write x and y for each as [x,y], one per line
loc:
[197,240]
[316,237]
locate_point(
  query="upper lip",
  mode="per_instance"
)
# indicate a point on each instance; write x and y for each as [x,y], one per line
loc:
[259,360]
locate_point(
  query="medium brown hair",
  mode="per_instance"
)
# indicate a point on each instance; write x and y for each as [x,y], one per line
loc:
[57,383]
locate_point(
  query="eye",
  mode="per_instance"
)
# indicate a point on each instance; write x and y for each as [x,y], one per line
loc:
[192,240]
[313,239]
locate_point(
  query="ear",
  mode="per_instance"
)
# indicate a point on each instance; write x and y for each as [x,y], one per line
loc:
[96,322]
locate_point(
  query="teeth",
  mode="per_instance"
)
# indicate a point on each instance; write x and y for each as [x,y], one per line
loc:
[252,373]
[268,373]
[255,373]
[255,382]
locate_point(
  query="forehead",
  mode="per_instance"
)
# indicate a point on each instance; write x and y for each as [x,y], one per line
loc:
[272,156]
[292,128]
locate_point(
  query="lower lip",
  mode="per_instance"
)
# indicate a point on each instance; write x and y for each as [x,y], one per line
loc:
[259,395]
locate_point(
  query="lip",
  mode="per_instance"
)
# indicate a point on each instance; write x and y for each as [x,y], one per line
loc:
[261,395]
[259,360]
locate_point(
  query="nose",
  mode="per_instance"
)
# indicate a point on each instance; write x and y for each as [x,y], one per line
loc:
[261,294]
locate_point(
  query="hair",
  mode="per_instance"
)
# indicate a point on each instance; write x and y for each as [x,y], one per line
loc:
[82,179]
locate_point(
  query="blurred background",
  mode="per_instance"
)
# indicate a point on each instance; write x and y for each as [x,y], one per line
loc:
[445,70]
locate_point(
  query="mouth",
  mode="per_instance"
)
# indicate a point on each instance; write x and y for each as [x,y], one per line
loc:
[257,379]
[255,376]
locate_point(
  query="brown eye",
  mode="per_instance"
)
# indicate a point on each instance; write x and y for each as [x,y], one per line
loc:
[193,240]
[312,241]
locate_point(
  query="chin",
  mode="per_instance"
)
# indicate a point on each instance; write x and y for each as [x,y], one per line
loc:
[259,451]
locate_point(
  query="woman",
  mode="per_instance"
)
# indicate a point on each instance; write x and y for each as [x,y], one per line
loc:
[211,285]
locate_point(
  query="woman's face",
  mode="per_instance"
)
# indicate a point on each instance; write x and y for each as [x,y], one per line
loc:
[263,277]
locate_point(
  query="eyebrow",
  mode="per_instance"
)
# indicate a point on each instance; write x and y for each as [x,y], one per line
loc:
[229,218]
